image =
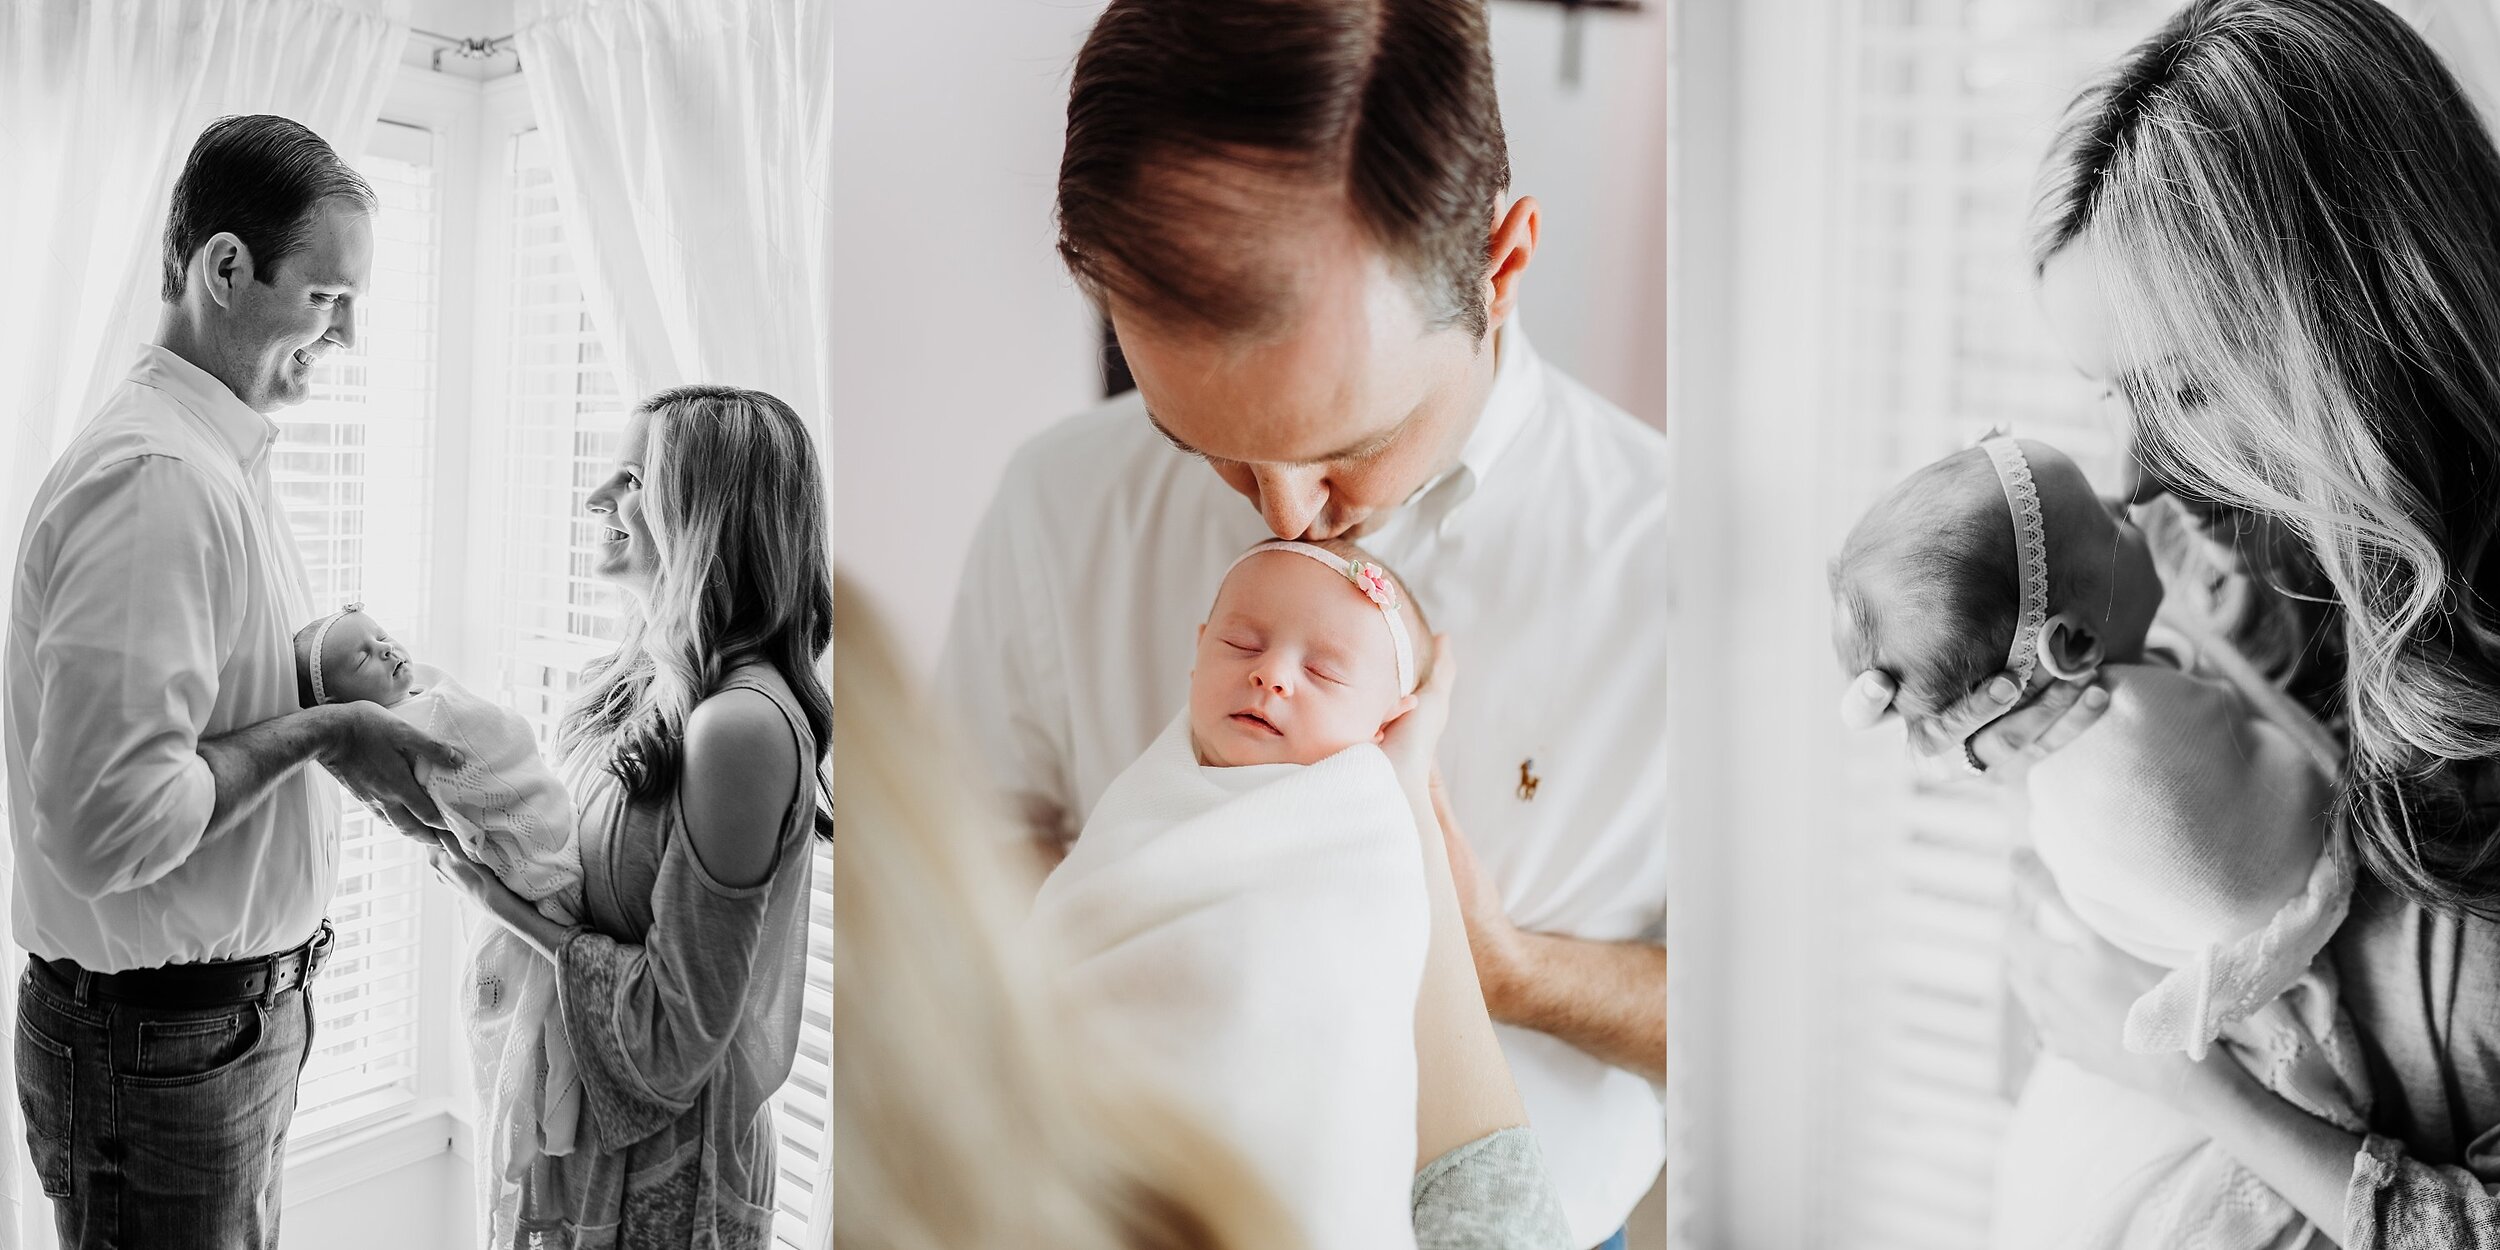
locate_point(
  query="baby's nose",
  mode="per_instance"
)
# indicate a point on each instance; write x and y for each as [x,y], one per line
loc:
[1262,681]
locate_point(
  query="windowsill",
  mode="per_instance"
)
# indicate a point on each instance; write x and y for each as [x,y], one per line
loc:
[352,1158]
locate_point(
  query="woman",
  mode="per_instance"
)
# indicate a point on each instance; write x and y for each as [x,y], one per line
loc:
[694,756]
[2270,231]
[971,1111]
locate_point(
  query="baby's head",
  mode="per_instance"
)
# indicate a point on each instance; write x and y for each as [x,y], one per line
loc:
[357,660]
[1928,588]
[1297,660]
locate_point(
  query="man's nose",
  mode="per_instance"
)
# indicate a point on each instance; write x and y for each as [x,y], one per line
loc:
[343,322]
[1290,497]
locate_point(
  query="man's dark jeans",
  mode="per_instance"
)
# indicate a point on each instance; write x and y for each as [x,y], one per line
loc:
[155,1127]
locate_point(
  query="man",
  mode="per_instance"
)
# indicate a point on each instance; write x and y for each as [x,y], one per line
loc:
[173,854]
[1296,216]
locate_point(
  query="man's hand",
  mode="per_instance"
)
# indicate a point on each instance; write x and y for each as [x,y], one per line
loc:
[375,756]
[1999,739]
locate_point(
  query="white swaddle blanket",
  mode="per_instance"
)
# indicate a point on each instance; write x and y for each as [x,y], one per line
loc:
[512,814]
[1256,937]
[2189,828]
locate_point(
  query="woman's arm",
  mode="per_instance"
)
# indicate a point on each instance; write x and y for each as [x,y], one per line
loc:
[651,1021]
[1463,1083]
[2364,1193]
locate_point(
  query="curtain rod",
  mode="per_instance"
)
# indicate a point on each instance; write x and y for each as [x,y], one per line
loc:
[474,48]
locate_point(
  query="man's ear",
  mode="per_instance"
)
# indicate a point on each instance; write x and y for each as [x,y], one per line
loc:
[2068,647]
[1510,248]
[225,265]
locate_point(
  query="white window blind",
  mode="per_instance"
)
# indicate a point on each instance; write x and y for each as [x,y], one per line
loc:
[803,1106]
[567,410]
[1949,109]
[350,470]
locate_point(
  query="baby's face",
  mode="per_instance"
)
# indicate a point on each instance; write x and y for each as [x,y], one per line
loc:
[2095,535]
[360,661]
[1294,665]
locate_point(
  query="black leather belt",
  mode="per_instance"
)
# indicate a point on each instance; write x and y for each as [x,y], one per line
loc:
[212,984]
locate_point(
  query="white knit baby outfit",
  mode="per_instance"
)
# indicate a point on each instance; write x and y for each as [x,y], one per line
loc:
[512,814]
[2189,828]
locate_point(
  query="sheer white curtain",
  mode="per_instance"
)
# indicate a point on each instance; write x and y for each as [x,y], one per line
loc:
[691,139]
[99,103]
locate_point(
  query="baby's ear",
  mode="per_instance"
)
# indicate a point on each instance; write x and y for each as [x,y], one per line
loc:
[2069,650]
[1405,705]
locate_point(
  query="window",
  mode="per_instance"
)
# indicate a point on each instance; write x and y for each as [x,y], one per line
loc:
[1940,125]
[350,470]
[1951,108]
[1848,919]
[802,1107]
[565,410]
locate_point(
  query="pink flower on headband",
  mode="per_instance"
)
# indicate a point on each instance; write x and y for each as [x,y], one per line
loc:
[1374,582]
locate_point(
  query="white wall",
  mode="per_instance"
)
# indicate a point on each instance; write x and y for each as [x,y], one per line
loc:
[957,335]
[955,332]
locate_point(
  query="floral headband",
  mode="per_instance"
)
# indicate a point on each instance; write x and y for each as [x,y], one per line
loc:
[321,634]
[2031,541]
[1367,577]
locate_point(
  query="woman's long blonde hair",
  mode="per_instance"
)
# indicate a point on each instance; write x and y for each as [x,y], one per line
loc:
[734,500]
[968,1111]
[2296,198]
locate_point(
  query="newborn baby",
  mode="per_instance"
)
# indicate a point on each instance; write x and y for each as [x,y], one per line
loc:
[1244,914]
[1291,669]
[511,814]
[2189,827]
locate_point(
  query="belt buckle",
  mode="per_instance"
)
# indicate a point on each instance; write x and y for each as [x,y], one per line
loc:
[304,959]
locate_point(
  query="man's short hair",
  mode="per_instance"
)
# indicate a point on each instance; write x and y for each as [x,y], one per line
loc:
[257,178]
[1389,103]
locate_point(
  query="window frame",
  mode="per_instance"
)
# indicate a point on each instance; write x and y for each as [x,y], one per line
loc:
[448,107]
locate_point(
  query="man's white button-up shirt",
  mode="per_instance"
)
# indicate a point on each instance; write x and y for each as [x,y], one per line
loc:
[156,593]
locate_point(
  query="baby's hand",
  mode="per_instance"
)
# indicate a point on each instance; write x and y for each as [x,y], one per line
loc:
[1415,735]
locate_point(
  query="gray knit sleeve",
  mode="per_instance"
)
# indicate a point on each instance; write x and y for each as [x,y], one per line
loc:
[1491,1194]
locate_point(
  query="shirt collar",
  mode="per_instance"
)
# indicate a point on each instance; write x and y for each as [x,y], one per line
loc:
[246,433]
[1518,382]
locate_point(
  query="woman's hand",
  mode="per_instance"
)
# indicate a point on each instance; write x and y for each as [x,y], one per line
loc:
[500,902]
[1999,739]
[2077,989]
[1415,735]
